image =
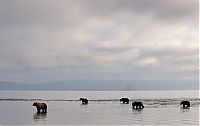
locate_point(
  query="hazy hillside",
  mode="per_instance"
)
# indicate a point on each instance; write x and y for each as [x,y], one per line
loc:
[102,85]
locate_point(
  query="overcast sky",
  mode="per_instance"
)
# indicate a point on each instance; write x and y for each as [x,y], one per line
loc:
[53,40]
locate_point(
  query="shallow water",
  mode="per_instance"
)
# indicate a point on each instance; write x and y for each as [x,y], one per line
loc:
[104,108]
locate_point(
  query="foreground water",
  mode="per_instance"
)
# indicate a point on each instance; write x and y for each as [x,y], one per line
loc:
[104,108]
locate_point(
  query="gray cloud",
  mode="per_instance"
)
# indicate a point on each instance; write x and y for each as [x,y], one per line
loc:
[112,39]
[64,12]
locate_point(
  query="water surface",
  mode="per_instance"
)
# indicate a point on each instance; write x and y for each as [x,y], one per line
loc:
[104,108]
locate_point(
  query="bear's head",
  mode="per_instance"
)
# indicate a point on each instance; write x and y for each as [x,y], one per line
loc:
[81,98]
[35,104]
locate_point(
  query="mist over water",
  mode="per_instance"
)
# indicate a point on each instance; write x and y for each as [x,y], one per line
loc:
[104,108]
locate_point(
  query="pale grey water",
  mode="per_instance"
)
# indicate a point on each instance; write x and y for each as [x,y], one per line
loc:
[161,108]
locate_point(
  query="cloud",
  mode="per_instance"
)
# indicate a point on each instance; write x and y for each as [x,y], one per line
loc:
[149,61]
[98,39]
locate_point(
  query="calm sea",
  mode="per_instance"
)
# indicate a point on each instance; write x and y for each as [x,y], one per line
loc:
[104,108]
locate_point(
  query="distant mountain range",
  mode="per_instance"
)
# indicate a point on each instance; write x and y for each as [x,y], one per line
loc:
[101,85]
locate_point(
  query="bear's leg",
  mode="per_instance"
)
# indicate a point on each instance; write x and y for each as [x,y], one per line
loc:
[38,110]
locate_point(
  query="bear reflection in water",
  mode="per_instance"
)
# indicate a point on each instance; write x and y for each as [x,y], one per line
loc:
[39,116]
[137,111]
[183,110]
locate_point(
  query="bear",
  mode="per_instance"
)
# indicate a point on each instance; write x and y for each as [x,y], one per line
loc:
[186,104]
[40,106]
[137,105]
[124,100]
[84,100]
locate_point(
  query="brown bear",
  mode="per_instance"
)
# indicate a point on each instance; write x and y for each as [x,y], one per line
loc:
[84,100]
[137,105]
[40,106]
[124,100]
[186,104]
